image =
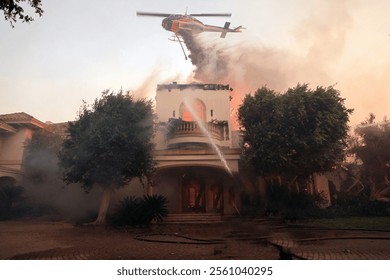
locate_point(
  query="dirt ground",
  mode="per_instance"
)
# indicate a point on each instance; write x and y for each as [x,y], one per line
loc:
[37,239]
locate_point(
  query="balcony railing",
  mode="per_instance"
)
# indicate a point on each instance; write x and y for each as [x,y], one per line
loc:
[193,129]
[178,128]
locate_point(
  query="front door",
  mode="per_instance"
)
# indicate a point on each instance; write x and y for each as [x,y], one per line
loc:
[215,198]
[193,196]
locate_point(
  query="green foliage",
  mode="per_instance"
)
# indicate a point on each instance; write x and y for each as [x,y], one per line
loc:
[352,223]
[110,143]
[358,205]
[136,211]
[277,199]
[154,208]
[297,133]
[10,195]
[293,204]
[127,212]
[251,204]
[371,145]
[13,10]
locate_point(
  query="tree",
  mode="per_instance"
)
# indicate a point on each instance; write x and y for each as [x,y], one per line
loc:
[109,145]
[297,133]
[13,10]
[371,145]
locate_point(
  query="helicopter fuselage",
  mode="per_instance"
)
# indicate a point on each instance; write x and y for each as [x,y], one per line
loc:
[177,23]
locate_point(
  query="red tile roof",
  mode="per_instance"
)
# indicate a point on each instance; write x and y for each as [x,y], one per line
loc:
[4,127]
[16,116]
[21,118]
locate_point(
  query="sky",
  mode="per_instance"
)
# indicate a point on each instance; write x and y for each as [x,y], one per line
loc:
[77,49]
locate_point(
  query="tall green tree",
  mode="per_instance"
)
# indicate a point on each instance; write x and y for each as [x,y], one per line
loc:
[296,133]
[13,9]
[371,145]
[108,145]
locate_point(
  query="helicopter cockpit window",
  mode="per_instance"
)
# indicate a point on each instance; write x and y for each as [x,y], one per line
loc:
[167,23]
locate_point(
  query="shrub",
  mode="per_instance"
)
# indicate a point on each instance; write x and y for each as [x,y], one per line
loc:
[10,195]
[347,205]
[294,205]
[251,204]
[154,208]
[136,211]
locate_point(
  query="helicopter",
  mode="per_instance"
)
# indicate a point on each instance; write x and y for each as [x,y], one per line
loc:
[187,22]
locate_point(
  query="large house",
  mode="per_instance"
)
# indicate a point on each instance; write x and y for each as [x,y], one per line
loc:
[197,151]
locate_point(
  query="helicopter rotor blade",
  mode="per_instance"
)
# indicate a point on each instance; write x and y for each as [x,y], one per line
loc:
[194,15]
[153,14]
[212,15]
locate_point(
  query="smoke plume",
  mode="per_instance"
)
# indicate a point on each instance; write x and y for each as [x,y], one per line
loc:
[209,60]
[245,68]
[323,52]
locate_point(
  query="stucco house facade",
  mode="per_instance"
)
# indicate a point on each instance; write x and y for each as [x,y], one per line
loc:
[15,130]
[197,159]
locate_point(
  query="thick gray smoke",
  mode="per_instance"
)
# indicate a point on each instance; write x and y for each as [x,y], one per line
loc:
[207,59]
[48,195]
[327,44]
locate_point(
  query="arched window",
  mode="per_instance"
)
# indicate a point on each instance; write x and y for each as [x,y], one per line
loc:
[198,107]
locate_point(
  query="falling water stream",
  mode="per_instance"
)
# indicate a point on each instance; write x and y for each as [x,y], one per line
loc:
[207,134]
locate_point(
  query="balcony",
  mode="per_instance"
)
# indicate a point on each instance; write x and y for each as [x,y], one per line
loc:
[182,132]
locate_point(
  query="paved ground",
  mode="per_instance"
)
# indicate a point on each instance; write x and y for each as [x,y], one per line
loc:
[32,239]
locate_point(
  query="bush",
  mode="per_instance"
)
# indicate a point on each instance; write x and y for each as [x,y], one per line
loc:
[136,211]
[358,205]
[294,205]
[154,208]
[251,204]
[10,196]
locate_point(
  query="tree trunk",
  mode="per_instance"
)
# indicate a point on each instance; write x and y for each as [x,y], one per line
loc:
[104,204]
[262,185]
[374,191]
[149,187]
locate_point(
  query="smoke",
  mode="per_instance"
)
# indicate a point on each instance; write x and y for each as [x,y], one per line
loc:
[249,66]
[147,89]
[46,192]
[244,67]
[149,85]
[321,53]
[209,60]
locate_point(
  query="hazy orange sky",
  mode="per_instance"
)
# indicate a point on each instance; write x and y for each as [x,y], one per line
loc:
[79,48]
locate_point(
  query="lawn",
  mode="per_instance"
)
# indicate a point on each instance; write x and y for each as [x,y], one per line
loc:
[351,222]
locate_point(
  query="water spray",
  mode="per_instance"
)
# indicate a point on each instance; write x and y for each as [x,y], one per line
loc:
[207,134]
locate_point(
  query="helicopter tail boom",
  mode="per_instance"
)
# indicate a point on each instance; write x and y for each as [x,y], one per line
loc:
[224,30]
